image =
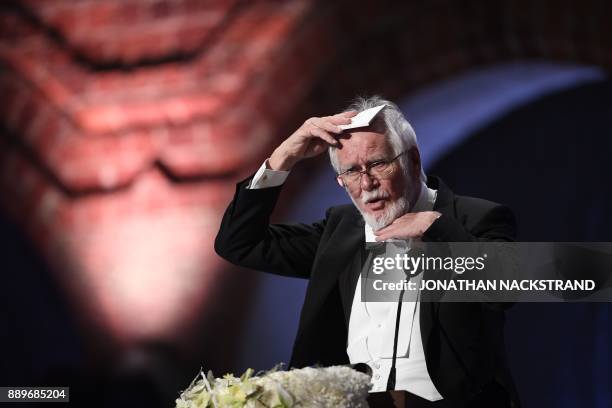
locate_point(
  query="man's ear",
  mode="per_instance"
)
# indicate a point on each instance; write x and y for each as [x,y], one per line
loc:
[340,182]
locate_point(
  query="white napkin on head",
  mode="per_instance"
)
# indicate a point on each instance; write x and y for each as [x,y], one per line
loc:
[363,118]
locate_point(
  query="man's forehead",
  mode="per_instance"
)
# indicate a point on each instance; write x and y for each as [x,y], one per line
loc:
[363,136]
[361,144]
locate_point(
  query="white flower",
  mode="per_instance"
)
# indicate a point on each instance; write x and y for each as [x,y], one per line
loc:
[329,387]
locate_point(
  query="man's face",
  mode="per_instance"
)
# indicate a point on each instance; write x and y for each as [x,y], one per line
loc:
[379,199]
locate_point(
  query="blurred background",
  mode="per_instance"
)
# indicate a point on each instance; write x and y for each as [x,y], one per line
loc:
[125,124]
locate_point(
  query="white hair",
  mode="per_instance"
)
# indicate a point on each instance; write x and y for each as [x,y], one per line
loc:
[397,129]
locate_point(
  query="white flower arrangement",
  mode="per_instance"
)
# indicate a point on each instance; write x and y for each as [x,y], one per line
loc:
[336,386]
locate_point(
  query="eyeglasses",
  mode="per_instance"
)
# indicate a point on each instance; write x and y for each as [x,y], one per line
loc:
[379,169]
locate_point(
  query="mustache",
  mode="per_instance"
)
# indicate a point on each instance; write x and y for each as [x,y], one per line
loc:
[369,196]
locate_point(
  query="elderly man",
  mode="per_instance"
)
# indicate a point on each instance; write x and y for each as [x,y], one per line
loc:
[447,354]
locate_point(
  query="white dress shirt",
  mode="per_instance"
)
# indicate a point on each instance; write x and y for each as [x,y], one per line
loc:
[372,330]
[372,324]
[266,177]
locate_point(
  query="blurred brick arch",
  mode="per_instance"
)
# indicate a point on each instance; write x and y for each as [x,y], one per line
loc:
[395,47]
[125,123]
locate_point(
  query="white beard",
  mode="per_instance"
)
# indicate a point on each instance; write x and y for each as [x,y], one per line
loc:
[393,210]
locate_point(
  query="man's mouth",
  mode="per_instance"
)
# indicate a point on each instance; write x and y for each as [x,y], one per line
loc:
[376,203]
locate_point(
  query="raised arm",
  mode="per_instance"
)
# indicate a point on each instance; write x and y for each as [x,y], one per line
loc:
[246,237]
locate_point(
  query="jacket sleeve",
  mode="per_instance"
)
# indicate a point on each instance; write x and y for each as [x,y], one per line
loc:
[247,239]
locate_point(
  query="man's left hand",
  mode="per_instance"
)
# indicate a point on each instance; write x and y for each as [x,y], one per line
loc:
[410,225]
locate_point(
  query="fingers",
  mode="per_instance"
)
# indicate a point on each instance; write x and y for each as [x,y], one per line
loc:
[384,233]
[389,235]
[343,118]
[327,124]
[401,228]
[383,236]
[322,134]
[394,235]
[380,238]
[322,128]
[326,128]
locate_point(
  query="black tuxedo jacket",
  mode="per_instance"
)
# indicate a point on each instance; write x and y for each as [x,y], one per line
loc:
[463,342]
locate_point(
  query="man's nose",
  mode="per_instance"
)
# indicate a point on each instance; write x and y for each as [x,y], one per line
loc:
[368,183]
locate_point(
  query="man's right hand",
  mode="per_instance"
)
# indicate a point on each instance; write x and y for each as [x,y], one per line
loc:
[311,139]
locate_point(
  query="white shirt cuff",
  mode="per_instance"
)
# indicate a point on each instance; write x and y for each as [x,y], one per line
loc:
[266,177]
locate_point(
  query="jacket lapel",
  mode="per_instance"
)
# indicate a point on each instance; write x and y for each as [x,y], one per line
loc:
[445,205]
[341,252]
[349,277]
